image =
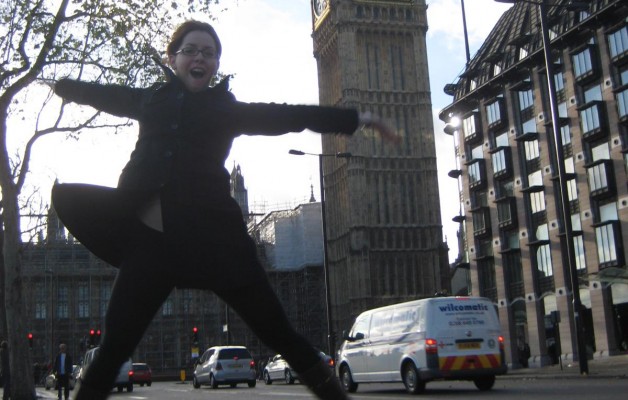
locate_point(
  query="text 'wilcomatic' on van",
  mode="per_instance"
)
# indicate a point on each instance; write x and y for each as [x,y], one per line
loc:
[442,338]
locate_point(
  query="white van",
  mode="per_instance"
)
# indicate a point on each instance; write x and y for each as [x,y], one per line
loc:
[124,378]
[442,338]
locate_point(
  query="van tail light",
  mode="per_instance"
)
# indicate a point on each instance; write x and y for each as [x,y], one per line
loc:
[252,364]
[500,339]
[131,374]
[331,362]
[431,346]
[218,366]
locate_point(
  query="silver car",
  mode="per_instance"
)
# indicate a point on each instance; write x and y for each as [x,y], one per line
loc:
[225,365]
[279,369]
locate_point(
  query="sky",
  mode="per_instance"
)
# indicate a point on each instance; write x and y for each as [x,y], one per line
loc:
[267,45]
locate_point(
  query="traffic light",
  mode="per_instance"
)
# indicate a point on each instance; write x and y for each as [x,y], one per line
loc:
[98,336]
[195,334]
[30,339]
[92,337]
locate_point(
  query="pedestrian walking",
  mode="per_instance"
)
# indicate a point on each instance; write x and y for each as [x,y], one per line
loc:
[62,370]
[5,370]
[171,221]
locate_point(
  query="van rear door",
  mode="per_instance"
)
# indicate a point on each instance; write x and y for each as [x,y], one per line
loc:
[467,332]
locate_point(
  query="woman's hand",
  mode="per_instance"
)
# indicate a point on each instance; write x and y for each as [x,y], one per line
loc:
[372,121]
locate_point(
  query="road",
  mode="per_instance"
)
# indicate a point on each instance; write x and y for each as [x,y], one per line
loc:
[524,389]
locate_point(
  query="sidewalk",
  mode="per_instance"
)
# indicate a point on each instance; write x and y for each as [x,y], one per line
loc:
[607,367]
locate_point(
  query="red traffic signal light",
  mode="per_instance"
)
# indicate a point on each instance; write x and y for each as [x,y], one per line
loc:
[30,339]
[195,330]
[92,332]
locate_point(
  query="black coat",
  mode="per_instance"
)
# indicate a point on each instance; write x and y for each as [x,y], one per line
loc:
[56,369]
[184,140]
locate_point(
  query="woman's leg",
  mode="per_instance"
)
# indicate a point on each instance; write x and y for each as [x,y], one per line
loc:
[140,288]
[272,327]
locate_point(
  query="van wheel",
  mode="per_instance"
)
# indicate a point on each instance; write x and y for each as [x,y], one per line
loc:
[346,380]
[212,382]
[267,379]
[195,383]
[411,379]
[289,377]
[485,382]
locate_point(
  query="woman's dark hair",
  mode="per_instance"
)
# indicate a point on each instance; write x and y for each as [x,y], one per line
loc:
[191,26]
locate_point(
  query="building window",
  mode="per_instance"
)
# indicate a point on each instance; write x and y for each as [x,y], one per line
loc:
[537,202]
[396,62]
[167,309]
[599,174]
[105,295]
[590,119]
[578,243]
[526,99]
[532,149]
[486,277]
[83,301]
[501,140]
[606,247]
[481,221]
[583,64]
[565,134]
[559,81]
[608,236]
[504,188]
[622,104]
[372,66]
[618,43]
[476,173]
[494,113]
[41,303]
[501,161]
[544,261]
[528,126]
[470,127]
[63,299]
[535,179]
[506,212]
[523,52]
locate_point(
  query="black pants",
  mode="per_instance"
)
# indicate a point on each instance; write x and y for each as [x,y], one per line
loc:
[63,383]
[148,275]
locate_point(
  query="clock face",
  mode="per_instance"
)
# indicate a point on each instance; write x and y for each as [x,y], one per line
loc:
[319,7]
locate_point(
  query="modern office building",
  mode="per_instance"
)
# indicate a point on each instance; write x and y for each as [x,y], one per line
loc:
[514,237]
[385,239]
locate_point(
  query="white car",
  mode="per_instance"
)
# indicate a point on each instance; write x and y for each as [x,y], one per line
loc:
[225,365]
[279,369]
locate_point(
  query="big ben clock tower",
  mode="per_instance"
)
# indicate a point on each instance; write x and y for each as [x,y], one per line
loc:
[385,241]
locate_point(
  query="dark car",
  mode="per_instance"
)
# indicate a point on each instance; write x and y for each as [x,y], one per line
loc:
[142,375]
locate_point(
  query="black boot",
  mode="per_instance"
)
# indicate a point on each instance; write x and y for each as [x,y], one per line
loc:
[86,392]
[322,381]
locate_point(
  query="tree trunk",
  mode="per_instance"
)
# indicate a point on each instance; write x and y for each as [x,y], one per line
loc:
[22,386]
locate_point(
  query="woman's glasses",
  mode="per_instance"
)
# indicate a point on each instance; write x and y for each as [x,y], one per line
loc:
[193,52]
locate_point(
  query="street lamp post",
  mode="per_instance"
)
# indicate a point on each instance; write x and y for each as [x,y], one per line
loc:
[562,180]
[331,345]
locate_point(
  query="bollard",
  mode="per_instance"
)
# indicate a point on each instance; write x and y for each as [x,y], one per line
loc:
[182,376]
